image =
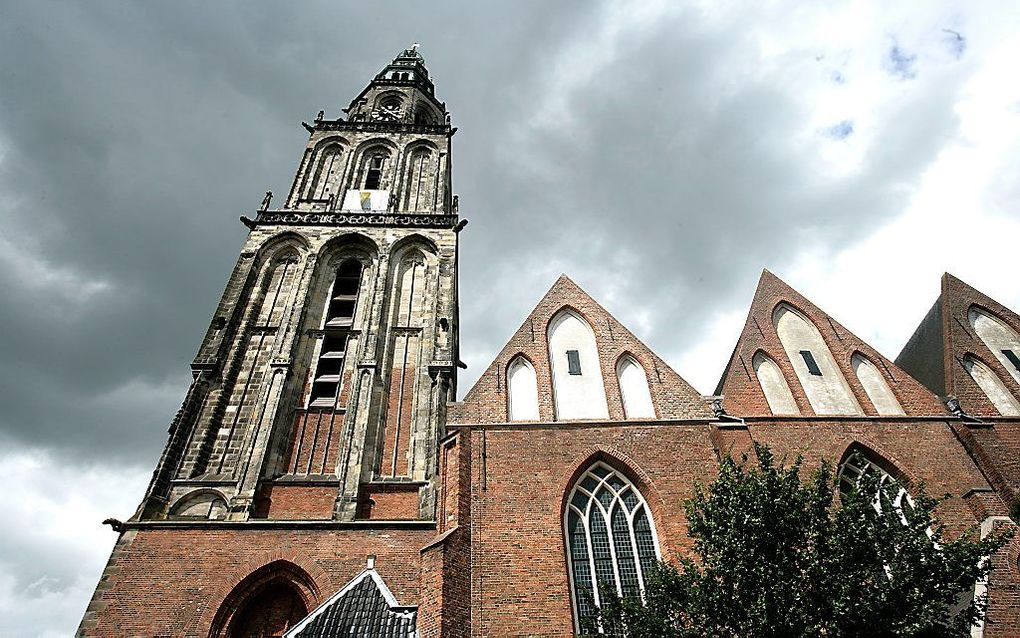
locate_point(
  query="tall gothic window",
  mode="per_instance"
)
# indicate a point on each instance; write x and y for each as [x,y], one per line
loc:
[327,172]
[858,465]
[419,185]
[339,319]
[611,544]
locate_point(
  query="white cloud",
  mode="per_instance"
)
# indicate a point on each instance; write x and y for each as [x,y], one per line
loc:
[55,546]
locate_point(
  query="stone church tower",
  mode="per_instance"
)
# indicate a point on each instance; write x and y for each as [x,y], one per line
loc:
[320,388]
[325,371]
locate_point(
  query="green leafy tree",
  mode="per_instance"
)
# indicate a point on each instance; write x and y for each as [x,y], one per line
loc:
[778,558]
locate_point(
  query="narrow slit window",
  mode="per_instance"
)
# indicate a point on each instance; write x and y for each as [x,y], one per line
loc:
[573,362]
[1013,358]
[373,177]
[809,361]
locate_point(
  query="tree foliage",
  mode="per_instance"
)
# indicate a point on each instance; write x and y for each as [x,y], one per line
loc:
[777,557]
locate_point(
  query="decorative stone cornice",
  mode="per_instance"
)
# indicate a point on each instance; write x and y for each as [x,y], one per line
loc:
[375,126]
[353,218]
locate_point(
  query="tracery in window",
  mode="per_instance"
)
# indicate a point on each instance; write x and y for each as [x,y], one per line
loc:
[1002,340]
[992,385]
[637,400]
[611,542]
[522,390]
[858,465]
[340,308]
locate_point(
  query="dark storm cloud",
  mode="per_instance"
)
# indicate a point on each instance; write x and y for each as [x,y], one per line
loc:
[132,137]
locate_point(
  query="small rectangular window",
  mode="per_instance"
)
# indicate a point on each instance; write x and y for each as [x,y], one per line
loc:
[812,365]
[1013,358]
[573,362]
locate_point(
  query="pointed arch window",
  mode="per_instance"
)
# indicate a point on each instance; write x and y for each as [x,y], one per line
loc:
[875,386]
[611,541]
[1002,340]
[327,172]
[637,400]
[419,183]
[992,385]
[374,172]
[820,376]
[343,302]
[578,389]
[773,385]
[522,390]
[856,466]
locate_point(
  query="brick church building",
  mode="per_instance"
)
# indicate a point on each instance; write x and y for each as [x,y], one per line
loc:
[321,480]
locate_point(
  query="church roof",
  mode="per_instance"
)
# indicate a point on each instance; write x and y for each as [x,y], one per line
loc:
[364,607]
[742,392]
[486,402]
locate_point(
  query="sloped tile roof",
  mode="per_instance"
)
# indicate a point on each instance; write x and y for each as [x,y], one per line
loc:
[363,608]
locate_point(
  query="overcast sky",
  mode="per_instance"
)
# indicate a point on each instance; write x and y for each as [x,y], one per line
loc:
[661,154]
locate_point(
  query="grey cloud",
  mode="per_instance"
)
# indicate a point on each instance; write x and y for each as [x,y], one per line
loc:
[133,135]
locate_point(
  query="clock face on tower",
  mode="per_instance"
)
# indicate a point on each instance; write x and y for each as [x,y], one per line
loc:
[388,111]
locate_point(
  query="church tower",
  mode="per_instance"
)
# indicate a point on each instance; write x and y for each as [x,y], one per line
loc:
[319,391]
[332,353]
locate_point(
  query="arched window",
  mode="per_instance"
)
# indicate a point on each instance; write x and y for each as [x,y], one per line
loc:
[821,378]
[773,385]
[1002,340]
[856,465]
[992,385]
[411,291]
[522,390]
[875,387]
[637,400]
[420,181]
[200,505]
[340,308]
[611,540]
[578,389]
[327,173]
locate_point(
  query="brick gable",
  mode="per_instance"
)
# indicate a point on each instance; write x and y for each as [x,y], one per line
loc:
[486,402]
[739,386]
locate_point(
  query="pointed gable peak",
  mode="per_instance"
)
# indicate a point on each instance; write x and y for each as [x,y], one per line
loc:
[803,362]
[584,360]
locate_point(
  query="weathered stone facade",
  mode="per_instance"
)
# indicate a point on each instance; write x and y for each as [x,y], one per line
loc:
[320,445]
